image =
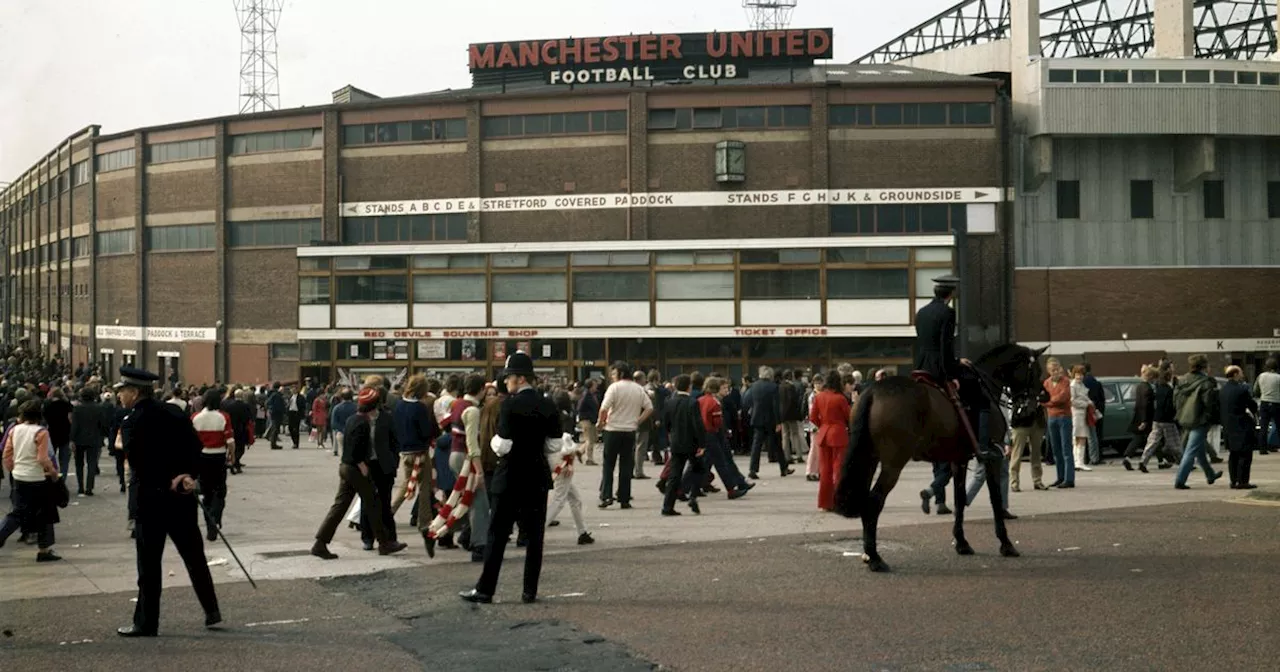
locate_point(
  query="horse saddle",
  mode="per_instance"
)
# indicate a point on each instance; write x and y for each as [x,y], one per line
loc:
[924,377]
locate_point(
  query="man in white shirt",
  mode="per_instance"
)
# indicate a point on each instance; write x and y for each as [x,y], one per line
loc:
[626,406]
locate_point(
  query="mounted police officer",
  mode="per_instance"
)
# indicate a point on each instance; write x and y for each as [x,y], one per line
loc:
[936,355]
[163,450]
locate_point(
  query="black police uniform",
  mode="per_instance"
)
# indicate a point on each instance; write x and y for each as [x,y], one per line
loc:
[520,482]
[161,444]
[936,355]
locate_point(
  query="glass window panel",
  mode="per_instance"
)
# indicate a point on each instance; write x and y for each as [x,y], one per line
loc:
[431,261]
[1115,76]
[684,119]
[420,227]
[629,259]
[555,123]
[466,261]
[548,260]
[1224,77]
[924,280]
[529,287]
[313,264]
[780,284]
[448,289]
[590,259]
[795,116]
[387,230]
[1061,76]
[1088,76]
[888,115]
[511,260]
[1246,78]
[437,129]
[494,127]
[313,291]
[844,220]
[751,117]
[576,122]
[1198,76]
[775,116]
[1268,78]
[455,129]
[933,218]
[959,217]
[371,289]
[675,259]
[933,254]
[841,115]
[710,258]
[457,227]
[955,114]
[536,124]
[759,256]
[729,117]
[706,117]
[1170,76]
[890,219]
[700,285]
[977,114]
[912,222]
[420,131]
[805,256]
[615,120]
[611,286]
[867,284]
[1143,76]
[863,255]
[865,114]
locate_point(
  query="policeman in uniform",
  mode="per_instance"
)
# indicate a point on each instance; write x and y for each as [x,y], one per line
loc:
[528,430]
[936,355]
[163,450]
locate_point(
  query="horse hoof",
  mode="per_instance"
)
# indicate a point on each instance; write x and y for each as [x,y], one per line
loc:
[964,549]
[1010,552]
[877,565]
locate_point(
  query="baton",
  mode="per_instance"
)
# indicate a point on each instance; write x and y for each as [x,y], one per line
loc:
[209,519]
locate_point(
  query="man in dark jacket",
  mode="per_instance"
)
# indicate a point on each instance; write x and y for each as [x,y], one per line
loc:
[1196,399]
[275,416]
[791,410]
[685,438]
[353,474]
[588,416]
[241,415]
[1099,399]
[1144,413]
[57,417]
[1237,416]
[384,461]
[88,429]
[761,406]
[528,430]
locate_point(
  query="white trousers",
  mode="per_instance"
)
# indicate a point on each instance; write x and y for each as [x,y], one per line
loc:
[566,490]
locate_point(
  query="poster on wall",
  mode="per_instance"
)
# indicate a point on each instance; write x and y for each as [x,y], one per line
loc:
[499,351]
[468,349]
[401,350]
[355,351]
[380,350]
[525,346]
[431,349]
[546,351]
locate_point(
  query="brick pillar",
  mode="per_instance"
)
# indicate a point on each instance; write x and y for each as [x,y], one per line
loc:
[820,165]
[93,248]
[331,188]
[140,242]
[475,234]
[221,345]
[638,161]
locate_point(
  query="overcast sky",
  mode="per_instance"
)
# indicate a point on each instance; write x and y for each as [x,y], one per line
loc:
[123,64]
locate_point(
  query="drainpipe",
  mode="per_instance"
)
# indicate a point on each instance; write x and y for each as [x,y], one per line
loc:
[1008,216]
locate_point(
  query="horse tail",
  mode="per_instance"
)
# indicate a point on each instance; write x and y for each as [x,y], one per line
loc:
[859,461]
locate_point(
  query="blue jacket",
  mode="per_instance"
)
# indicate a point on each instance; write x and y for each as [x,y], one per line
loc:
[276,405]
[589,408]
[341,414]
[761,404]
[414,425]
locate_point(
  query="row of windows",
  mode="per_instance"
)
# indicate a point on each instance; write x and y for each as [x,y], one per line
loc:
[273,141]
[183,150]
[116,242]
[1098,76]
[912,114]
[556,260]
[774,116]
[559,123]
[888,283]
[1142,199]
[117,160]
[80,173]
[274,233]
[404,131]
[404,228]
[186,237]
[926,218]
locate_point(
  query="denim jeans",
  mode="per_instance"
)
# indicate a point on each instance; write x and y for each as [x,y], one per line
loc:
[941,477]
[979,476]
[64,459]
[1195,452]
[1060,443]
[1094,452]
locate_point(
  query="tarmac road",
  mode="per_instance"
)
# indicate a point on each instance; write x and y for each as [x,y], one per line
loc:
[1171,587]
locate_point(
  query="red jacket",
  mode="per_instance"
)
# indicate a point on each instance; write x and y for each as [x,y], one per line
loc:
[830,413]
[711,412]
[1059,404]
[319,412]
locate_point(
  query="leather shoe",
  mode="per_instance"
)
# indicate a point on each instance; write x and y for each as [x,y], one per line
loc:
[693,506]
[134,631]
[670,512]
[476,597]
[1007,516]
[585,538]
[1246,486]
[624,505]
[430,542]
[527,598]
[212,618]
[392,547]
[322,551]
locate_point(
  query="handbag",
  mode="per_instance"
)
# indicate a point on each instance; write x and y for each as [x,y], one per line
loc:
[58,493]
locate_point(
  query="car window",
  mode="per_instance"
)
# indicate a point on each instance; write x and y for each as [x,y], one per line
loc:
[1128,392]
[1109,394]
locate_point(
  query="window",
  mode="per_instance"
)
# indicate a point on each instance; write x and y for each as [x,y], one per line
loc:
[912,114]
[558,123]
[702,285]
[186,237]
[180,151]
[80,247]
[1141,199]
[1198,76]
[1224,77]
[804,256]
[1061,76]
[115,242]
[776,116]
[780,284]
[314,264]
[924,280]
[1068,199]
[1246,78]
[1215,199]
[445,261]
[404,131]
[610,259]
[1269,78]
[369,263]
[274,141]
[1170,76]
[372,289]
[404,228]
[80,173]
[611,286]
[929,218]
[1144,76]
[281,233]
[117,160]
[529,287]
[448,289]
[1088,76]
[888,115]
[694,258]
[867,284]
[313,291]
[1115,76]
[867,255]
[525,260]
[1273,200]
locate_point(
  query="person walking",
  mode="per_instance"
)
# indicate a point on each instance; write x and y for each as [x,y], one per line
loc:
[626,406]
[1164,431]
[276,407]
[320,418]
[1144,408]
[218,454]
[89,427]
[164,452]
[295,408]
[643,429]
[237,407]
[1027,424]
[588,416]
[1058,409]
[1266,389]
[1082,410]
[57,418]
[342,412]
[1097,397]
[761,406]
[28,458]
[562,476]
[353,479]
[831,413]
[1198,406]
[528,431]
[685,441]
[1238,411]
[383,465]
[711,407]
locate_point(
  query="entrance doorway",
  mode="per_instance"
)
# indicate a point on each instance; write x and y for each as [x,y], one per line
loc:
[128,358]
[107,365]
[167,367]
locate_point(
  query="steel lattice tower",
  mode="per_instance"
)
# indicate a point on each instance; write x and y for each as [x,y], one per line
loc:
[769,14]
[259,77]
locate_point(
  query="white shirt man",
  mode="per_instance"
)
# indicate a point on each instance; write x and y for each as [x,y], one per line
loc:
[626,405]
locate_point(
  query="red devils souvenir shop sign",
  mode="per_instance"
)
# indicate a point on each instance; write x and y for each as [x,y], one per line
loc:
[632,58]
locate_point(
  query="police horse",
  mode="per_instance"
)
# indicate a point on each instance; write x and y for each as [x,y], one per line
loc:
[900,419]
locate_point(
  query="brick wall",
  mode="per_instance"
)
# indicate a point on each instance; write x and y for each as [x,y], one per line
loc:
[181,191]
[116,198]
[80,205]
[117,294]
[542,172]
[396,178]
[284,183]
[180,289]
[873,164]
[262,289]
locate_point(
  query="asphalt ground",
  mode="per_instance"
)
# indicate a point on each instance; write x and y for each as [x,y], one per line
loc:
[1189,586]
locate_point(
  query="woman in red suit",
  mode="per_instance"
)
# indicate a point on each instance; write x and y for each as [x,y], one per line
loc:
[320,418]
[831,412]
